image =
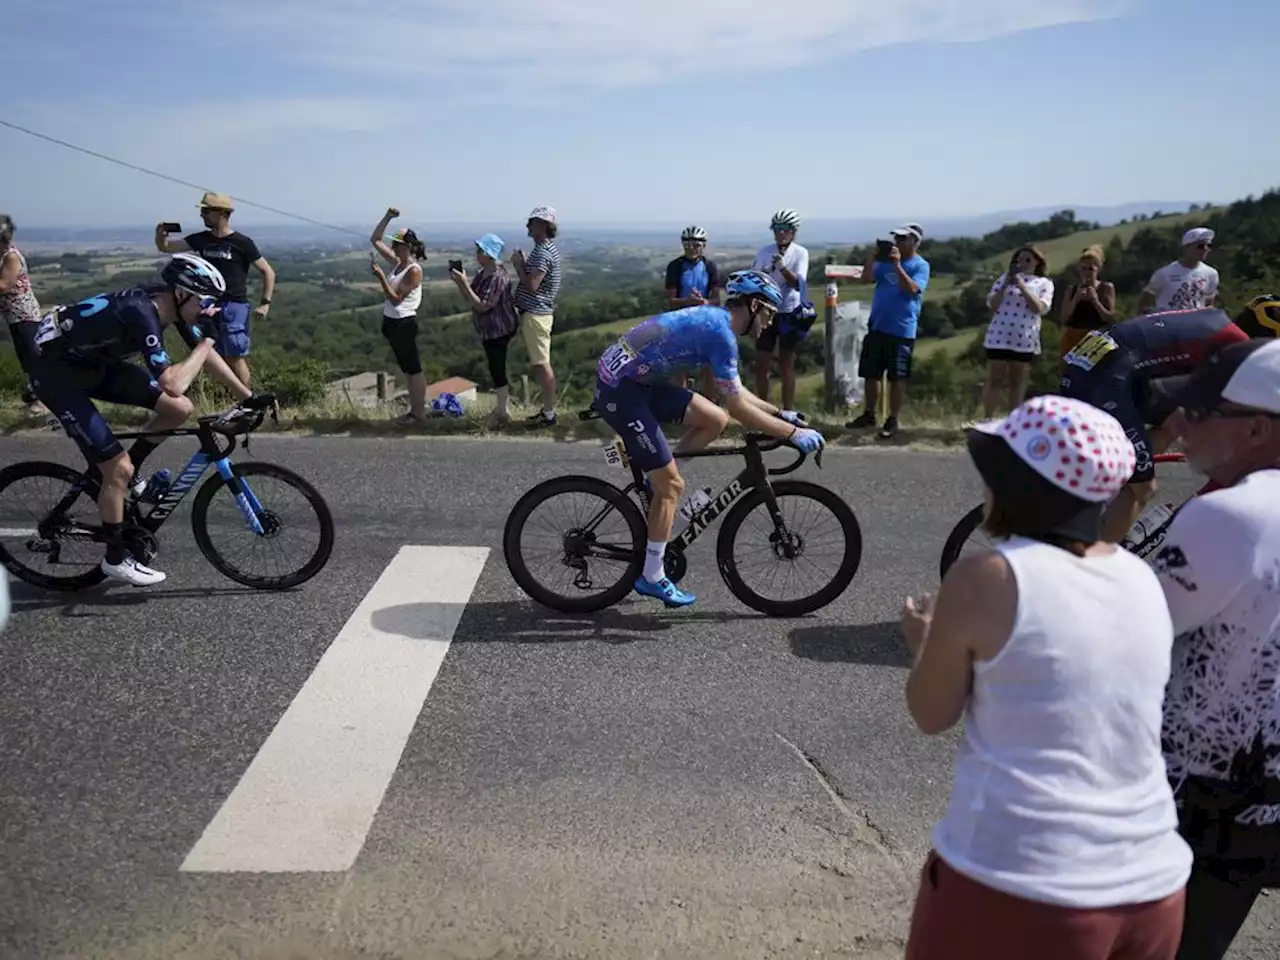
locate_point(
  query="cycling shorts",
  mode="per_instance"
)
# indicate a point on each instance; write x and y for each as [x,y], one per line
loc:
[637,411]
[68,388]
[1110,385]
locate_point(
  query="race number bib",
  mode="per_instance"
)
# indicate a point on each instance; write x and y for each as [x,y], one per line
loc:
[616,358]
[615,454]
[1089,352]
[48,330]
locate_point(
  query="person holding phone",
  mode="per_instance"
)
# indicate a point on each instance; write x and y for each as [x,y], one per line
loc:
[233,254]
[403,290]
[1089,304]
[493,313]
[1019,298]
[901,277]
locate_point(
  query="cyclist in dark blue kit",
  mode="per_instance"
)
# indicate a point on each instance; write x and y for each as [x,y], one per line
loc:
[84,354]
[1118,370]
[635,396]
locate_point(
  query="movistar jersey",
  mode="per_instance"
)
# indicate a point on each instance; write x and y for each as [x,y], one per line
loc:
[110,328]
[679,340]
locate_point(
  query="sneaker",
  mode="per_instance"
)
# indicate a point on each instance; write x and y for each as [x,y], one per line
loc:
[868,419]
[132,572]
[541,419]
[890,428]
[664,590]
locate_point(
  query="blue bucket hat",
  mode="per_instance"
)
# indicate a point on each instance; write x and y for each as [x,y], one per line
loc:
[492,245]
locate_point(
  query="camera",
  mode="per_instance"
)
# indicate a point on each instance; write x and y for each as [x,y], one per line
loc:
[455,265]
[882,249]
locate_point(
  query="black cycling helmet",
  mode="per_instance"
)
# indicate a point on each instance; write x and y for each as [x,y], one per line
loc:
[1260,318]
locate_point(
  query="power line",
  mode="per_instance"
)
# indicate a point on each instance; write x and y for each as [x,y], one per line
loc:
[165,176]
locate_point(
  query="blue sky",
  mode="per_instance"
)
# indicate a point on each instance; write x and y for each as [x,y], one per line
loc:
[666,110]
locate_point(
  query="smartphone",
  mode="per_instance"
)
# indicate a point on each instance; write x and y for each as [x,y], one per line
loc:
[172,227]
[455,265]
[882,249]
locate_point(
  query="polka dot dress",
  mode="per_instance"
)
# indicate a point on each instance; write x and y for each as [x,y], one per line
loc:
[1015,325]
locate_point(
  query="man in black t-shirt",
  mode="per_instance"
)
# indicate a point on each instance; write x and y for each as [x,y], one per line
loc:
[232,253]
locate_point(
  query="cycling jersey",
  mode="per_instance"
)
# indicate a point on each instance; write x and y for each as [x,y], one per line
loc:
[679,340]
[634,392]
[107,328]
[83,355]
[1111,368]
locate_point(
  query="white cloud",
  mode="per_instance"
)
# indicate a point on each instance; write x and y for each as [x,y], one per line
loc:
[496,46]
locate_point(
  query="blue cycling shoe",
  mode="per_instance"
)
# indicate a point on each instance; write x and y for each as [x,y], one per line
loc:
[664,590]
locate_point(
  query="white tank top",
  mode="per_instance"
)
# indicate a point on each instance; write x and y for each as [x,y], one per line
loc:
[409,305]
[1060,792]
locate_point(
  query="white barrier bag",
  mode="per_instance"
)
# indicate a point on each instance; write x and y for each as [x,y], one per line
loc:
[852,322]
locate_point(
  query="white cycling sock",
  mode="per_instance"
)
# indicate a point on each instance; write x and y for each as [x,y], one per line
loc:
[654,553]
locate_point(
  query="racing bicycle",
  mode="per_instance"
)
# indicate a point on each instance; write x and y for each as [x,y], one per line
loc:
[598,551]
[964,531]
[55,550]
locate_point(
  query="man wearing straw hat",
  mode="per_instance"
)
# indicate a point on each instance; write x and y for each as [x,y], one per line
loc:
[233,254]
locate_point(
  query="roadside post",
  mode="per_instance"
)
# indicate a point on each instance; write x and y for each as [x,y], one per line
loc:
[834,272]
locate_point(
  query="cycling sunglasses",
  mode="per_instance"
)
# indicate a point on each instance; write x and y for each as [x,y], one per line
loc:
[1225,413]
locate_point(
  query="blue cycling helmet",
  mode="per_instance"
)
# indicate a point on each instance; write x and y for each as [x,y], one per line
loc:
[749,284]
[193,274]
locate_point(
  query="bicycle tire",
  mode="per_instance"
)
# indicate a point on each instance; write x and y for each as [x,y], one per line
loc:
[200,517]
[790,608]
[960,533]
[58,471]
[543,492]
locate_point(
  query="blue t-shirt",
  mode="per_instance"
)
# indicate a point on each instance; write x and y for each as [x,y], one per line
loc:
[681,339]
[892,310]
[685,276]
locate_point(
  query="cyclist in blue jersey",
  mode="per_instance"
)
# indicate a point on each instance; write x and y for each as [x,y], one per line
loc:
[84,353]
[635,395]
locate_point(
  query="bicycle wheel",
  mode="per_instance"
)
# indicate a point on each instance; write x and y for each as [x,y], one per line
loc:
[31,543]
[610,533]
[275,523]
[960,535]
[798,498]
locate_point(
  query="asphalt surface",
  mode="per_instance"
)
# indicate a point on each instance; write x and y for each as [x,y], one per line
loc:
[636,783]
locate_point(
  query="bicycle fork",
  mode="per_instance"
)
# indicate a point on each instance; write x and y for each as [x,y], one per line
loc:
[244,496]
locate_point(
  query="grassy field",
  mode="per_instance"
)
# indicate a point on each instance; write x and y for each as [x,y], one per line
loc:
[1064,250]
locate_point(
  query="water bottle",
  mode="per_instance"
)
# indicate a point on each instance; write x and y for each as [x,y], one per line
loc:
[695,502]
[157,486]
[1151,520]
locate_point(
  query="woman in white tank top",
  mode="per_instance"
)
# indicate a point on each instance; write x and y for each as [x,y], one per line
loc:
[403,290]
[1060,838]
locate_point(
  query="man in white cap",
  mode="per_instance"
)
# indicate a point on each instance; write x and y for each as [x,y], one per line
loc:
[1218,566]
[1187,283]
[535,298]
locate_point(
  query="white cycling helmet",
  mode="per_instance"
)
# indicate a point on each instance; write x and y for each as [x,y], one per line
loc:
[193,274]
[696,234]
[785,219]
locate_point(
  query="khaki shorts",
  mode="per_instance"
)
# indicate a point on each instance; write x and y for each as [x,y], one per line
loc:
[536,330]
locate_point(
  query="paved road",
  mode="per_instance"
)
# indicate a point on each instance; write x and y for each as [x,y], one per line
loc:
[640,783]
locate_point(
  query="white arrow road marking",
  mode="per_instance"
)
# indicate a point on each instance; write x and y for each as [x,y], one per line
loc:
[310,795]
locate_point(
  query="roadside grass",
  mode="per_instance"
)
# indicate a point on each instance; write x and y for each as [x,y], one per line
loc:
[927,421]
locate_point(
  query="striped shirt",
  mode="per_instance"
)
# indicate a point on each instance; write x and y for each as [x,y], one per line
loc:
[543,257]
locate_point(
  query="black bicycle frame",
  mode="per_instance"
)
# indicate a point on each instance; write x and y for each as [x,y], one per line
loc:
[754,474]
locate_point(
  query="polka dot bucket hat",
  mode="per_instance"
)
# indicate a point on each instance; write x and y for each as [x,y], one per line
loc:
[1081,450]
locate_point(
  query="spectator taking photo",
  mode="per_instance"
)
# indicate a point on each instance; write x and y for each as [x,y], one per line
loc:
[232,253]
[901,277]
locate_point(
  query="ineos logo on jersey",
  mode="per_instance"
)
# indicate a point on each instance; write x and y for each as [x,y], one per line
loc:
[153,340]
